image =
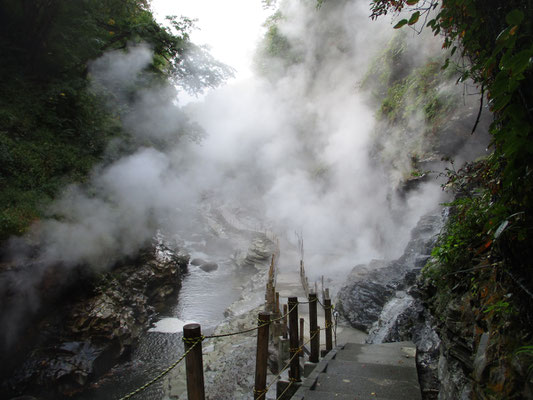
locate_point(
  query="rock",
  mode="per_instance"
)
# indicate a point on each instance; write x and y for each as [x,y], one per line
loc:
[371,286]
[260,250]
[95,332]
[480,360]
[209,266]
[197,261]
[361,303]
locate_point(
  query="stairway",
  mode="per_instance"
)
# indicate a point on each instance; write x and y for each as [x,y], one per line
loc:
[364,372]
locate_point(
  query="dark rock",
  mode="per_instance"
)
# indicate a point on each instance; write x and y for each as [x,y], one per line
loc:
[261,249]
[371,286]
[94,333]
[209,266]
[362,302]
[197,261]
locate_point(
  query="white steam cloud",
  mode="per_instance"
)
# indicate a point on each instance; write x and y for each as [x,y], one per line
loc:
[297,150]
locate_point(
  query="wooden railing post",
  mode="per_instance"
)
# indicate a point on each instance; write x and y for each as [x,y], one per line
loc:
[192,336]
[285,330]
[313,328]
[294,371]
[301,332]
[261,360]
[329,325]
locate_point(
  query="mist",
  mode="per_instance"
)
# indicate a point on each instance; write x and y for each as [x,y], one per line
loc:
[293,147]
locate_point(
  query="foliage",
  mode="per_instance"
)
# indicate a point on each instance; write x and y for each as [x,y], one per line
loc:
[419,91]
[275,50]
[494,40]
[53,128]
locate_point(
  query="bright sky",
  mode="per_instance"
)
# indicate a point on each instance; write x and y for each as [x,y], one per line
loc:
[231,28]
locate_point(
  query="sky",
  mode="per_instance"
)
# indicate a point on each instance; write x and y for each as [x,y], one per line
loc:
[230,28]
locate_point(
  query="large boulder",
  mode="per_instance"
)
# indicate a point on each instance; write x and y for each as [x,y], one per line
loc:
[209,266]
[372,285]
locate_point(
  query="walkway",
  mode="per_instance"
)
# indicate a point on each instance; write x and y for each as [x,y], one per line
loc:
[364,372]
[288,284]
[352,370]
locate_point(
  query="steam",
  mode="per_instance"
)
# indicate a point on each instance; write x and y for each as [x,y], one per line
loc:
[295,149]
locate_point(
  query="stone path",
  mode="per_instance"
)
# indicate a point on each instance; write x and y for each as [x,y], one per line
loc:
[353,370]
[364,372]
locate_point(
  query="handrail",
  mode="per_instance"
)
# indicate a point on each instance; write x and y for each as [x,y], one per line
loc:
[272,305]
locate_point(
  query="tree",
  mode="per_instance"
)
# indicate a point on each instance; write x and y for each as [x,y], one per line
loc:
[53,129]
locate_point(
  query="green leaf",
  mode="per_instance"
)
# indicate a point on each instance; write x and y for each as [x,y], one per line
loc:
[506,60]
[503,35]
[515,17]
[400,24]
[520,61]
[501,101]
[411,2]
[414,18]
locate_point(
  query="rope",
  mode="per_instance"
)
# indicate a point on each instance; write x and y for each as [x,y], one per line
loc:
[193,341]
[261,392]
[162,374]
[335,315]
[251,329]
[310,301]
[291,381]
[299,349]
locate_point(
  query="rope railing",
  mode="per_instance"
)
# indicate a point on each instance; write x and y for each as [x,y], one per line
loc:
[193,342]
[161,375]
[287,365]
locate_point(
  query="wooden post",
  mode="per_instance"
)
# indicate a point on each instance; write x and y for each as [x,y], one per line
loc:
[267,297]
[327,311]
[285,330]
[261,360]
[277,303]
[192,334]
[294,371]
[315,341]
[301,341]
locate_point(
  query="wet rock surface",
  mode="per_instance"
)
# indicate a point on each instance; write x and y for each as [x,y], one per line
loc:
[371,286]
[86,338]
[209,266]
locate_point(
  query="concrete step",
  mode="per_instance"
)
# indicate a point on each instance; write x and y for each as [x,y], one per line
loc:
[399,354]
[346,369]
[365,372]
[362,387]
[339,396]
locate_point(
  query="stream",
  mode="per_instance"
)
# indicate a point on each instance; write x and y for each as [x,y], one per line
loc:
[203,298]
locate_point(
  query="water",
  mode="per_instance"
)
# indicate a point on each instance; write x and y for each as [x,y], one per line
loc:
[392,309]
[203,298]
